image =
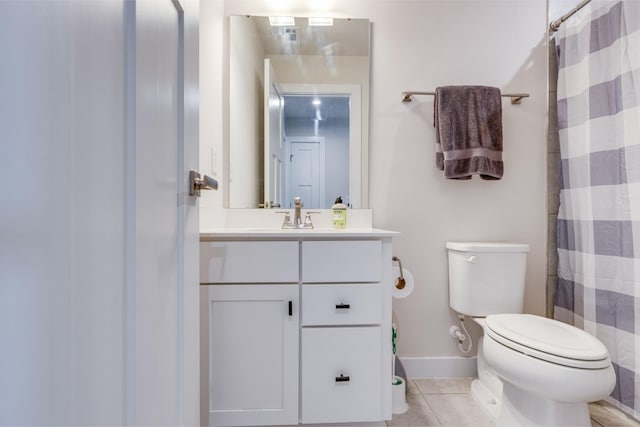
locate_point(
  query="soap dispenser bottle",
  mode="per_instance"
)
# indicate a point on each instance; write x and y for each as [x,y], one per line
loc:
[339,210]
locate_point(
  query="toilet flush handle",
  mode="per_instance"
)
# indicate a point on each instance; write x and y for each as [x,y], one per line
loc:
[472,259]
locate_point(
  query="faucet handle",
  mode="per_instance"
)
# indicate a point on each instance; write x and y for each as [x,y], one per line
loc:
[287,217]
[307,217]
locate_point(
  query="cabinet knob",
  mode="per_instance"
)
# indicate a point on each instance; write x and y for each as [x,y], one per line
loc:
[343,306]
[342,378]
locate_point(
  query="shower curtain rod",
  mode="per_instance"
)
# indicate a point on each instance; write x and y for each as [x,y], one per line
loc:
[555,25]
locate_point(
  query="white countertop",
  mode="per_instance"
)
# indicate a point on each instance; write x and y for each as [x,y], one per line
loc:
[277,233]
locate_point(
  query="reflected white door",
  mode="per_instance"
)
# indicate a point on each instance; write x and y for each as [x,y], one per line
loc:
[305,170]
[357,195]
[273,137]
[98,246]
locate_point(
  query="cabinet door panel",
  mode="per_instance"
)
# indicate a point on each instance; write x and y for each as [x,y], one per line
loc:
[254,355]
[341,375]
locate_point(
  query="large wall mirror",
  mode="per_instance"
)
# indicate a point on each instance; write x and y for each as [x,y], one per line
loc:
[298,112]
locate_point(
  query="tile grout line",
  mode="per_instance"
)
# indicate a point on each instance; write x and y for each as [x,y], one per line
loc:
[435,414]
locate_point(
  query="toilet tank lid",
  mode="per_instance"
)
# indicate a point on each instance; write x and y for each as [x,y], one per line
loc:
[487,247]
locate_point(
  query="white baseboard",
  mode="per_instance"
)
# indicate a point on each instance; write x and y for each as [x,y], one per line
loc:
[439,367]
[363,424]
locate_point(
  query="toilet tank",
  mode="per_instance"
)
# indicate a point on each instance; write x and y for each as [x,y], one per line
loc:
[486,278]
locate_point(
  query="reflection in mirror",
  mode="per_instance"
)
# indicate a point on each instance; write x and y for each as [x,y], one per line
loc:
[298,113]
[316,163]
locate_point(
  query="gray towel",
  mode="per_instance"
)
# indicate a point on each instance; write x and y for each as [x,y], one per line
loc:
[468,122]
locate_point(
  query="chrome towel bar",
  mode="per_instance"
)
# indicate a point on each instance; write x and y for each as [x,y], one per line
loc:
[516,98]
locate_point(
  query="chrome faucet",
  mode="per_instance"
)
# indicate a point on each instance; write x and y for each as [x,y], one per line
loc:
[297,216]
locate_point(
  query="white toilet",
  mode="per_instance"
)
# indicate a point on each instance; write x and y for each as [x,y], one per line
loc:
[532,371]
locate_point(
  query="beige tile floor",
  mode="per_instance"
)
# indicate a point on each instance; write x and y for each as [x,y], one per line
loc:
[446,402]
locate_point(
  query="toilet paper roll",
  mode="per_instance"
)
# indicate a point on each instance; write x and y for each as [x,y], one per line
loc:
[408,278]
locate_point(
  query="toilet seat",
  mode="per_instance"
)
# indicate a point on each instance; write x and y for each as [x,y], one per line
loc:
[548,340]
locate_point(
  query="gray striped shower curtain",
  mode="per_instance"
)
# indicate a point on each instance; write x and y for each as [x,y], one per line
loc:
[599,216]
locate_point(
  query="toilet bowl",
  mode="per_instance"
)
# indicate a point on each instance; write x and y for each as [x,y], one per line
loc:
[550,370]
[486,389]
[532,371]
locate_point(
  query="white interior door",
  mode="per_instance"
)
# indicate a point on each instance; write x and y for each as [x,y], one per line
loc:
[97,260]
[61,246]
[273,137]
[154,286]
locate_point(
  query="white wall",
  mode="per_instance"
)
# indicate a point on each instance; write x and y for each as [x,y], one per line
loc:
[497,43]
[212,112]
[557,8]
[419,45]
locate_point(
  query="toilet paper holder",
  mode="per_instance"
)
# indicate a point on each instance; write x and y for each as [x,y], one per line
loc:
[400,282]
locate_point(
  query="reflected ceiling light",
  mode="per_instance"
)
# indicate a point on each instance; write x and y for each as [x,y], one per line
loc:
[281,21]
[320,22]
[316,102]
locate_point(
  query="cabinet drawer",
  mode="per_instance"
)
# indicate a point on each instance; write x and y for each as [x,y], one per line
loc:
[341,261]
[249,262]
[340,304]
[341,375]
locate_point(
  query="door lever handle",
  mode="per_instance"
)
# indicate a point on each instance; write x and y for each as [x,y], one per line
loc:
[198,182]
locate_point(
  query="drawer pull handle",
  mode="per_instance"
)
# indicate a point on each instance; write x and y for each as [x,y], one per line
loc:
[343,306]
[290,308]
[342,378]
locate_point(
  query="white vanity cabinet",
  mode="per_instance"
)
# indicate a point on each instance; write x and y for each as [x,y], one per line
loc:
[253,323]
[299,329]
